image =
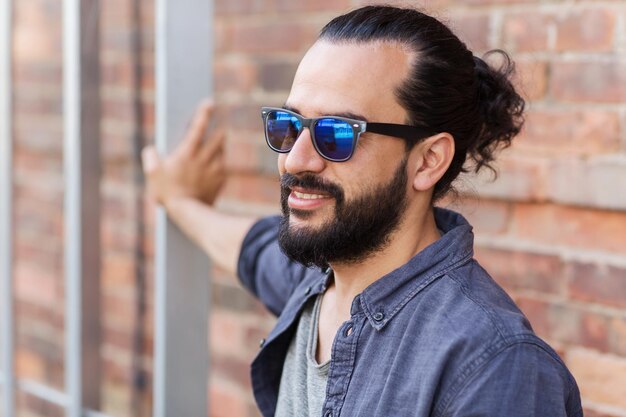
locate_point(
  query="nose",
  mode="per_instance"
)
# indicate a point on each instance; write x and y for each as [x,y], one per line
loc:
[303,157]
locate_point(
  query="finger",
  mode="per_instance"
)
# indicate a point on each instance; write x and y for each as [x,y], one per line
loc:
[195,133]
[214,146]
[150,159]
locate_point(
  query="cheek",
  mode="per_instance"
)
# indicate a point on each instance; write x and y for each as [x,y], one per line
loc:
[280,162]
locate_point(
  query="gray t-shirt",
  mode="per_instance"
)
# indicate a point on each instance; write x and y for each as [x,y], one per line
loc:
[303,383]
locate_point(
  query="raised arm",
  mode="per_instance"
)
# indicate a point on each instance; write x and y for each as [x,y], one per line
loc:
[187,182]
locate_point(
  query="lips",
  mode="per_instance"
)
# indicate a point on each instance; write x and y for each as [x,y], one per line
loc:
[307,199]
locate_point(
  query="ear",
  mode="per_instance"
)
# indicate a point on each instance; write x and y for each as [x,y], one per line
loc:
[430,160]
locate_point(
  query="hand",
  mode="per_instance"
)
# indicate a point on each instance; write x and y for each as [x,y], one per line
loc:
[194,170]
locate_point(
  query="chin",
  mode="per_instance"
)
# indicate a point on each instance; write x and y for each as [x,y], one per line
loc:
[306,218]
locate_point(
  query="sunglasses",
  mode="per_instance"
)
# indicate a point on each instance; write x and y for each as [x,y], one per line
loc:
[334,137]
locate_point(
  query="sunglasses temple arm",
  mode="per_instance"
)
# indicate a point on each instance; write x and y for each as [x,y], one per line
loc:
[400,131]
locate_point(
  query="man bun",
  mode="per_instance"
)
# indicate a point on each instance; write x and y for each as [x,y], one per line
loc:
[501,108]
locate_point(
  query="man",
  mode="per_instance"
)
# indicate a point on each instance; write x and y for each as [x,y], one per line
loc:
[382,310]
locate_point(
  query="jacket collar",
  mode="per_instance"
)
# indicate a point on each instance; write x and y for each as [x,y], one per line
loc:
[382,300]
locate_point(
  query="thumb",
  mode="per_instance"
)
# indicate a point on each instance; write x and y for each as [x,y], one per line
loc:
[150,159]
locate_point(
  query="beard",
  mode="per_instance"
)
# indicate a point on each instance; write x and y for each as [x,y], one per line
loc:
[358,228]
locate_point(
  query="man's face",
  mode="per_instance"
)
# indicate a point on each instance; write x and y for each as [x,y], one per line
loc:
[342,211]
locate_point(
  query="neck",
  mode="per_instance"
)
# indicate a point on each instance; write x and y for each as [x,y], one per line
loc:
[350,279]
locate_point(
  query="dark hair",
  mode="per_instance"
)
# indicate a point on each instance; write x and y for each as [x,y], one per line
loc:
[449,89]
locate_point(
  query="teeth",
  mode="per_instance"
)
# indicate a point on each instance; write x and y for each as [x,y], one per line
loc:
[305,196]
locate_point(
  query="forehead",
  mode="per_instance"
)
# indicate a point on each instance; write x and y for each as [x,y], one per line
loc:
[346,77]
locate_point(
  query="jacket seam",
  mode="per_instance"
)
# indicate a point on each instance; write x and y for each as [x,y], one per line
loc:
[489,354]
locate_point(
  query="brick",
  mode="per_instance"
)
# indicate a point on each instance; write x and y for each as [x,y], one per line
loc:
[37,34]
[43,134]
[495,2]
[617,335]
[32,102]
[598,284]
[234,298]
[531,78]
[271,37]
[473,30]
[53,315]
[234,75]
[38,187]
[243,154]
[569,132]
[43,360]
[527,31]
[33,406]
[486,216]
[39,233]
[564,323]
[226,333]
[623,130]
[118,309]
[519,178]
[28,76]
[233,370]
[118,270]
[35,285]
[595,82]
[114,369]
[117,37]
[339,6]
[523,271]
[594,332]
[599,182]
[117,67]
[29,365]
[252,189]
[537,313]
[277,76]
[114,12]
[244,116]
[586,30]
[247,153]
[222,36]
[429,6]
[118,234]
[115,398]
[225,401]
[571,227]
[601,378]
[119,109]
[242,7]
[117,338]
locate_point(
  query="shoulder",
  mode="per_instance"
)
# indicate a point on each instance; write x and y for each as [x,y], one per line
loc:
[523,377]
[468,306]
[494,360]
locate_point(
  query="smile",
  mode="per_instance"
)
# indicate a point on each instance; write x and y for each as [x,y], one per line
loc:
[303,199]
[306,196]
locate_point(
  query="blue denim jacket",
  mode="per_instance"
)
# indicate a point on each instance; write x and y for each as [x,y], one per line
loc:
[436,337]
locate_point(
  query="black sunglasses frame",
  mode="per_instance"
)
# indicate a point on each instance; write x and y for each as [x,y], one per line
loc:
[407,132]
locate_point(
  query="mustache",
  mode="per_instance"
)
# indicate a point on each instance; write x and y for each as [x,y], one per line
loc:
[310,181]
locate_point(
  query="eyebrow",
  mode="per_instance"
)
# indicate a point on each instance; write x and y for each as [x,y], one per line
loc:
[348,115]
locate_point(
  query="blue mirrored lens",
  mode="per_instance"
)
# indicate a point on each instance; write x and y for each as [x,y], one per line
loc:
[282,130]
[334,138]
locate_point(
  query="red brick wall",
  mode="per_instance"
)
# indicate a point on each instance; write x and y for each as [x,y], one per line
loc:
[551,229]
